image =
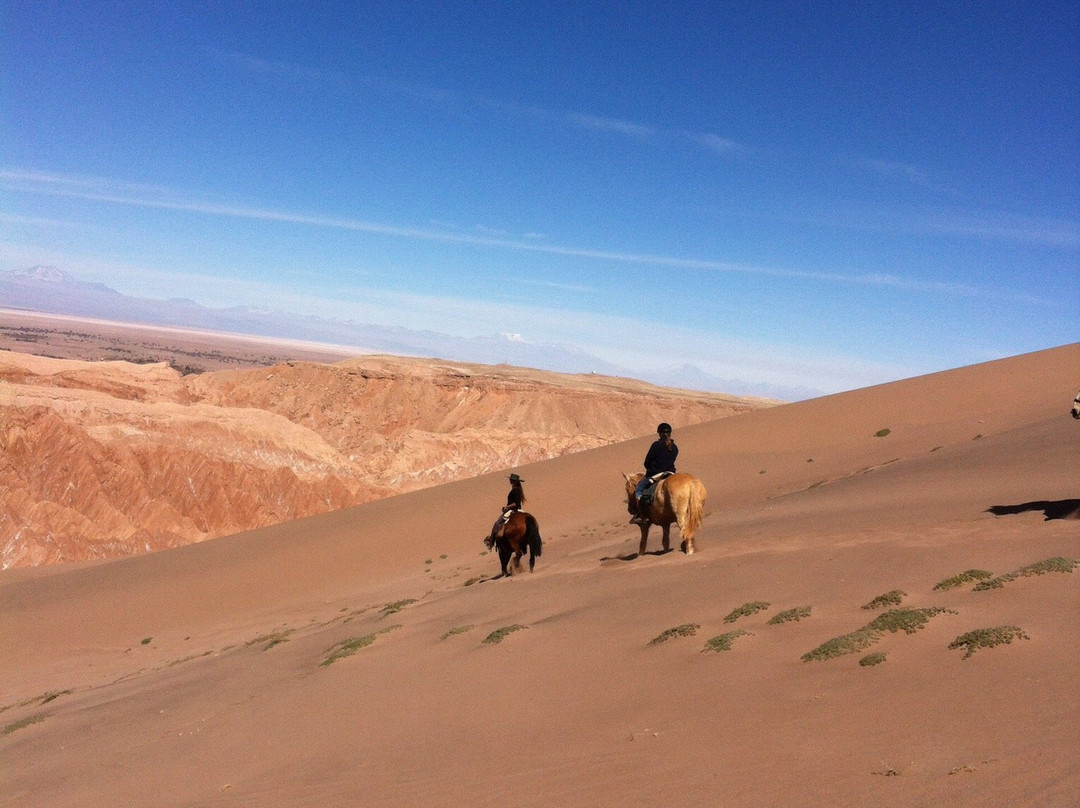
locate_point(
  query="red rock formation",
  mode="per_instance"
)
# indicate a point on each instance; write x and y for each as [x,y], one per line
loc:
[109,458]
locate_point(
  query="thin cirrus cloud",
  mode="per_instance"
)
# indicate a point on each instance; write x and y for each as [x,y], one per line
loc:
[1048,233]
[587,121]
[152,197]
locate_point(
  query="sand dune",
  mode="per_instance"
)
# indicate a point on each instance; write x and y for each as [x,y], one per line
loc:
[198,676]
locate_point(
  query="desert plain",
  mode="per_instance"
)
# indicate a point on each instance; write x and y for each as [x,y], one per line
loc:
[882,611]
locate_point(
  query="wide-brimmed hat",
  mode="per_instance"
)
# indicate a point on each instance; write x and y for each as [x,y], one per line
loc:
[515,479]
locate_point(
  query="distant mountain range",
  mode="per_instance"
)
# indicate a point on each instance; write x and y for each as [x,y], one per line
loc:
[51,290]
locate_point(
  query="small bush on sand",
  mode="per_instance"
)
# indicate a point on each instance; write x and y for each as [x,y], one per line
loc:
[724,641]
[396,606]
[870,660]
[963,578]
[457,630]
[881,433]
[146,640]
[350,647]
[25,722]
[1057,564]
[271,639]
[851,643]
[746,610]
[685,630]
[987,638]
[790,615]
[892,598]
[499,634]
[906,620]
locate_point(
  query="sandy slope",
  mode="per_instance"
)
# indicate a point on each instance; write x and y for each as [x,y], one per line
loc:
[807,508]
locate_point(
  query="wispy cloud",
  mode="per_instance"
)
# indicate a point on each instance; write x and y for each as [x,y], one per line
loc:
[1007,227]
[588,121]
[715,143]
[603,124]
[152,197]
[34,221]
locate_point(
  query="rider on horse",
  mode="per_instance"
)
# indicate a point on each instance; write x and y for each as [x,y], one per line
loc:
[514,501]
[660,460]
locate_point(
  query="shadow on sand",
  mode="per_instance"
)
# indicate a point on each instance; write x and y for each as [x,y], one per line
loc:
[1052,509]
[633,556]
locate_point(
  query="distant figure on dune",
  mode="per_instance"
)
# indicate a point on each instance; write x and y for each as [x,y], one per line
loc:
[659,463]
[1076,407]
[514,501]
[515,532]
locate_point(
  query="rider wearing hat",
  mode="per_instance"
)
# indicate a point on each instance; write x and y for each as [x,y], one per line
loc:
[516,496]
[660,459]
[514,500]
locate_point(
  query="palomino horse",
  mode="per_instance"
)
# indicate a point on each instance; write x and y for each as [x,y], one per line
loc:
[1076,407]
[679,498]
[520,533]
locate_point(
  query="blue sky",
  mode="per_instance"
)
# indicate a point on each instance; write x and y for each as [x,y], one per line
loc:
[819,195]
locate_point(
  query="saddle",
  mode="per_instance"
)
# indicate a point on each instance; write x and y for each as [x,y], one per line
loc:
[649,493]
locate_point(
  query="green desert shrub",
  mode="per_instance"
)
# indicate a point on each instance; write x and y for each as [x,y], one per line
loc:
[349,647]
[746,610]
[965,577]
[790,615]
[271,639]
[1056,564]
[906,620]
[881,433]
[499,634]
[396,606]
[724,641]
[892,598]
[456,630]
[987,638]
[852,643]
[685,630]
[25,722]
[870,660]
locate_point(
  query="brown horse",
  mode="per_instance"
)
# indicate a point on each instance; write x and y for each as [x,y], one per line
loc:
[520,533]
[679,498]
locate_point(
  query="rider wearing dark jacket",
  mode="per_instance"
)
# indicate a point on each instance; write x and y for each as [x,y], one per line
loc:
[514,500]
[660,458]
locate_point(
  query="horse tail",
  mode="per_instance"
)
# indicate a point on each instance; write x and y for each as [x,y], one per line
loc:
[532,535]
[695,507]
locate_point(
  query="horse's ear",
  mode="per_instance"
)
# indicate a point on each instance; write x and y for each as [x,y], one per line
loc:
[626,476]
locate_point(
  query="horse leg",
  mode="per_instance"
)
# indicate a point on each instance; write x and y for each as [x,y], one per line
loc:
[688,543]
[644,538]
[504,557]
[667,537]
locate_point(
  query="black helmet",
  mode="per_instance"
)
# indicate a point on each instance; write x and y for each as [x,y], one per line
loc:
[664,427]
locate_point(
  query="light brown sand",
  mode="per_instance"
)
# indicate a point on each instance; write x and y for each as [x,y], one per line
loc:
[807,508]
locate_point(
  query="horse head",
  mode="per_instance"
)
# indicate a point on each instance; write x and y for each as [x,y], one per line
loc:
[631,483]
